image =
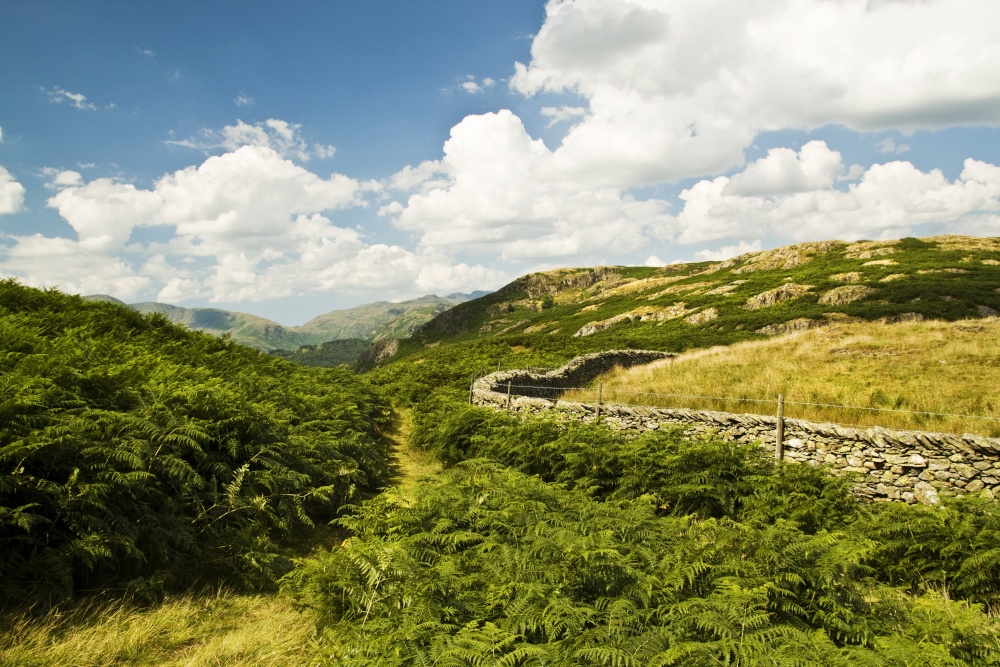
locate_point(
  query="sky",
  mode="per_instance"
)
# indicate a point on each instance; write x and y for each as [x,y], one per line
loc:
[290,159]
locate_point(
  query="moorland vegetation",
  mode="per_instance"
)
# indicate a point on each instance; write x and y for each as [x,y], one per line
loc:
[540,543]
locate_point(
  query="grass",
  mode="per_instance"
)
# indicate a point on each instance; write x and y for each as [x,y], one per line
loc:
[932,366]
[409,464]
[223,628]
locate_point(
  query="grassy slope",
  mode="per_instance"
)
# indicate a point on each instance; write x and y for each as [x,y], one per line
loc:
[933,366]
[944,278]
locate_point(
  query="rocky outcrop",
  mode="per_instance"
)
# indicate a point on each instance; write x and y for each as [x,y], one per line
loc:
[377,353]
[646,314]
[839,296]
[909,466]
[785,292]
[799,324]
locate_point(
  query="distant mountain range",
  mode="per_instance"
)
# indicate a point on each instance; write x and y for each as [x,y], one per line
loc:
[369,322]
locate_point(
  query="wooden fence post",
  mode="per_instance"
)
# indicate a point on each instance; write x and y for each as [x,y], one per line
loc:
[600,390]
[471,387]
[508,395]
[779,436]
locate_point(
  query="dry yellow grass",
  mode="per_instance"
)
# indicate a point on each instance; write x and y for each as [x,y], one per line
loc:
[939,367]
[189,631]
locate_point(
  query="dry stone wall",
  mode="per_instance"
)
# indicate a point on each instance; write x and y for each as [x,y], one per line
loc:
[910,466]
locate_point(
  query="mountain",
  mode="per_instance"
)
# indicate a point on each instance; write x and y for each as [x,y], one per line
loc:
[382,319]
[369,322]
[749,297]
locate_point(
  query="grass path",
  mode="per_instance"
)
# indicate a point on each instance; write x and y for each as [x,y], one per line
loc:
[194,630]
[409,464]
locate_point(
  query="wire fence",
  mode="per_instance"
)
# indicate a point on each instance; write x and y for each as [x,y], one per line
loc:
[860,416]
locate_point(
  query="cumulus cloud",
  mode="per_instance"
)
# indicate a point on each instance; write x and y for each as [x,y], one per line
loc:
[11,193]
[281,136]
[246,225]
[888,201]
[495,193]
[662,106]
[785,171]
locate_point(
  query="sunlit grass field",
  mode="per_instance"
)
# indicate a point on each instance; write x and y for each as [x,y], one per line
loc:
[890,374]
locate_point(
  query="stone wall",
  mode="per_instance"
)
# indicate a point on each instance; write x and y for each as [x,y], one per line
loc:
[909,466]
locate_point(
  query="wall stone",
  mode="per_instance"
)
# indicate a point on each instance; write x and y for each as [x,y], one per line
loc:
[889,465]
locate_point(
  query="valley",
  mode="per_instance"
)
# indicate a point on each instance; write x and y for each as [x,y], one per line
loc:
[378,518]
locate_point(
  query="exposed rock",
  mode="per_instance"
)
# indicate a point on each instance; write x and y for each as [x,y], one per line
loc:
[891,277]
[924,272]
[799,324]
[727,288]
[991,262]
[644,314]
[679,289]
[850,277]
[925,493]
[377,353]
[985,311]
[881,262]
[869,249]
[704,316]
[780,258]
[839,296]
[785,292]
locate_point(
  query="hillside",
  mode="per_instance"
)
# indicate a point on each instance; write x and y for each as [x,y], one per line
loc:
[137,454]
[368,322]
[749,297]
[910,375]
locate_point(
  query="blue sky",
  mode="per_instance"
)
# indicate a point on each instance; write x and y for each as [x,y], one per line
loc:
[289,159]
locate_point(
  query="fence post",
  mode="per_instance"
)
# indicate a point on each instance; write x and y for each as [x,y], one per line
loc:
[600,390]
[508,395]
[471,387]
[779,437]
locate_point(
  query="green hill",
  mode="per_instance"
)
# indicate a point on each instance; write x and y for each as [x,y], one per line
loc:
[368,322]
[544,319]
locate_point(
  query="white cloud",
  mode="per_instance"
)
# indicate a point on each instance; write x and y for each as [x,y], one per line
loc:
[472,87]
[243,100]
[889,200]
[283,137]
[1,135]
[495,193]
[784,171]
[56,262]
[678,89]
[76,100]
[11,193]
[728,252]
[889,146]
[247,225]
[563,114]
